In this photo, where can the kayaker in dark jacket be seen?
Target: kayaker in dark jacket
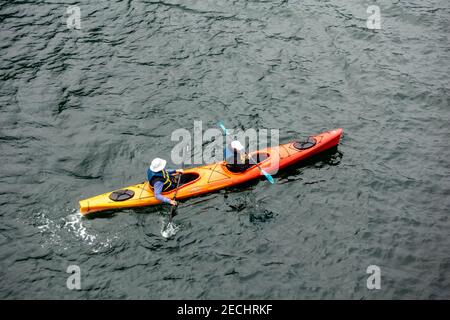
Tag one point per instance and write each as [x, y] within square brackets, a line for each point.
[235, 157]
[161, 179]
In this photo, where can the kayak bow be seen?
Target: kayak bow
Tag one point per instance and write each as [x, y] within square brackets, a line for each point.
[212, 177]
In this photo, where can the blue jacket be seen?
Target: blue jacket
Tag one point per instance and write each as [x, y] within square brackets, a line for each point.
[158, 183]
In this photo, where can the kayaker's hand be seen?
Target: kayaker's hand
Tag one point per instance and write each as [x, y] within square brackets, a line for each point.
[180, 170]
[173, 202]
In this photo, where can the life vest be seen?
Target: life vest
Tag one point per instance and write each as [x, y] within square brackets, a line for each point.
[162, 176]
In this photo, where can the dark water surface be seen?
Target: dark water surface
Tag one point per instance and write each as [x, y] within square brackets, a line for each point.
[84, 111]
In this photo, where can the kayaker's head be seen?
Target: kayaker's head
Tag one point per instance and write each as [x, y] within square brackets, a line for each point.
[158, 164]
[236, 145]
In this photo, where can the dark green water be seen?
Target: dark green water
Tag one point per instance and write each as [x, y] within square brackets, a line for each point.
[83, 112]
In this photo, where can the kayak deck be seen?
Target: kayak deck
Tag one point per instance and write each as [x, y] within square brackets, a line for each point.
[212, 177]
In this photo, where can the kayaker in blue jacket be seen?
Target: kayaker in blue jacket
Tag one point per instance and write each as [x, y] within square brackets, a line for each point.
[161, 179]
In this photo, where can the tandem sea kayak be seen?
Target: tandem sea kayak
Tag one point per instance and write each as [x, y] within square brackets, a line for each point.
[212, 177]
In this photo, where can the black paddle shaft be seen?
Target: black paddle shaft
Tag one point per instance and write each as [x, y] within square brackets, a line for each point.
[176, 191]
[175, 197]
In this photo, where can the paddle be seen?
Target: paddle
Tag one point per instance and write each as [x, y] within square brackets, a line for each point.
[173, 208]
[170, 228]
[268, 176]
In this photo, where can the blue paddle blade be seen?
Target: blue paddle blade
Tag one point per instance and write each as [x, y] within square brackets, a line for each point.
[268, 176]
[222, 126]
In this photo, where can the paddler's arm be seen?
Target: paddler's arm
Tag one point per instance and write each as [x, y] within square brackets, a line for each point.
[157, 188]
[228, 155]
[175, 171]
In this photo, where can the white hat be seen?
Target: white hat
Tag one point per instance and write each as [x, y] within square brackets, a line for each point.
[237, 145]
[158, 164]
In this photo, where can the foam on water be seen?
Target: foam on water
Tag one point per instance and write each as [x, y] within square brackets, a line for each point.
[170, 230]
[75, 224]
[72, 225]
